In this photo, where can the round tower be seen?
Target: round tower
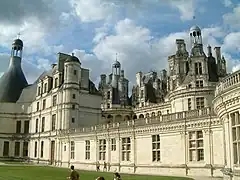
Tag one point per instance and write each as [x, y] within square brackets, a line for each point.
[71, 88]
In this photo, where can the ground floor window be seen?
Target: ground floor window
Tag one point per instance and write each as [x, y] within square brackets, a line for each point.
[126, 149]
[196, 150]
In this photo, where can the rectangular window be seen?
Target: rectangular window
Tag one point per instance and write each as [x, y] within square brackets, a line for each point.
[36, 126]
[35, 149]
[155, 148]
[25, 149]
[73, 120]
[72, 148]
[38, 106]
[126, 149]
[108, 95]
[6, 148]
[42, 147]
[200, 102]
[53, 122]
[189, 104]
[18, 127]
[73, 106]
[235, 119]
[54, 100]
[198, 68]
[56, 83]
[102, 149]
[43, 124]
[75, 72]
[87, 149]
[141, 95]
[17, 149]
[196, 150]
[199, 83]
[39, 91]
[44, 104]
[26, 127]
[45, 87]
[113, 144]
[74, 96]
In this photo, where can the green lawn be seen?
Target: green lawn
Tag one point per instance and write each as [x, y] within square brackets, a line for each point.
[50, 173]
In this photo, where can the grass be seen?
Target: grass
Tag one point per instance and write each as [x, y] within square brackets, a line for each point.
[18, 172]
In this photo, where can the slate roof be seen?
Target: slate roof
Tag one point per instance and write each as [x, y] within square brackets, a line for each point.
[12, 82]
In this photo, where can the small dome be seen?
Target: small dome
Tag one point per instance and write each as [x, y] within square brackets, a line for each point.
[72, 59]
[17, 42]
[116, 64]
[195, 28]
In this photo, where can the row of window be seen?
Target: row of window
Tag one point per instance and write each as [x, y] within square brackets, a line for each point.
[45, 87]
[196, 150]
[6, 149]
[53, 124]
[54, 102]
[19, 127]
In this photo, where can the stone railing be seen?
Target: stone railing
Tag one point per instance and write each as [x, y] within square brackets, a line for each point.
[228, 83]
[205, 112]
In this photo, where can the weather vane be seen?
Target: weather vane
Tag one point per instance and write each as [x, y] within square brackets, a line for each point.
[116, 56]
[18, 35]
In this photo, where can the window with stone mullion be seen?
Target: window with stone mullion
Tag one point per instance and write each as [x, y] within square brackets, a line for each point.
[235, 119]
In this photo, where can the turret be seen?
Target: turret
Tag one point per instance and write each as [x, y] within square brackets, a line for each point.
[13, 81]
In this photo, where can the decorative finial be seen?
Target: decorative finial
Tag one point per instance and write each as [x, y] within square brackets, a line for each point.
[18, 35]
[116, 56]
[72, 54]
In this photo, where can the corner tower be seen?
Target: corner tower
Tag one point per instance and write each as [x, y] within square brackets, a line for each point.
[13, 81]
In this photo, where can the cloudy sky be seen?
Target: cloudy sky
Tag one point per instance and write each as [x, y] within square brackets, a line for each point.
[142, 32]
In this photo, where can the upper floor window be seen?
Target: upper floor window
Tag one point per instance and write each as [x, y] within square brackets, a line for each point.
[189, 104]
[75, 72]
[198, 68]
[56, 83]
[235, 119]
[36, 126]
[74, 96]
[141, 95]
[54, 100]
[108, 95]
[44, 104]
[200, 102]
[43, 124]
[53, 122]
[26, 126]
[199, 83]
[39, 91]
[45, 87]
[18, 127]
[37, 106]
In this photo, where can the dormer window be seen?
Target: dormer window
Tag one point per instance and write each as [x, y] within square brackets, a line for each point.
[45, 87]
[56, 83]
[199, 83]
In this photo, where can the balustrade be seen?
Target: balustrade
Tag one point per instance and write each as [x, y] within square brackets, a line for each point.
[205, 112]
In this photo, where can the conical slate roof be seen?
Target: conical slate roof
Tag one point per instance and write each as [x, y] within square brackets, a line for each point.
[12, 82]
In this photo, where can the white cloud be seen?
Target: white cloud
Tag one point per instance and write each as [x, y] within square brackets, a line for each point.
[227, 3]
[92, 10]
[185, 7]
[233, 18]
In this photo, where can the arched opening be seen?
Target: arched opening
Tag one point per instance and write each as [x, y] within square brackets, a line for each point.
[153, 114]
[118, 118]
[159, 113]
[109, 118]
[141, 116]
[134, 116]
[147, 115]
[127, 118]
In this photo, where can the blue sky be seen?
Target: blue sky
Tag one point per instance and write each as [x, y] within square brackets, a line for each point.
[142, 32]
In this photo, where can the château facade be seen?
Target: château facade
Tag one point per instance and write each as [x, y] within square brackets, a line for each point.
[183, 122]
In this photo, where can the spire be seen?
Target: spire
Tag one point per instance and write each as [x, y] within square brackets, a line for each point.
[18, 35]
